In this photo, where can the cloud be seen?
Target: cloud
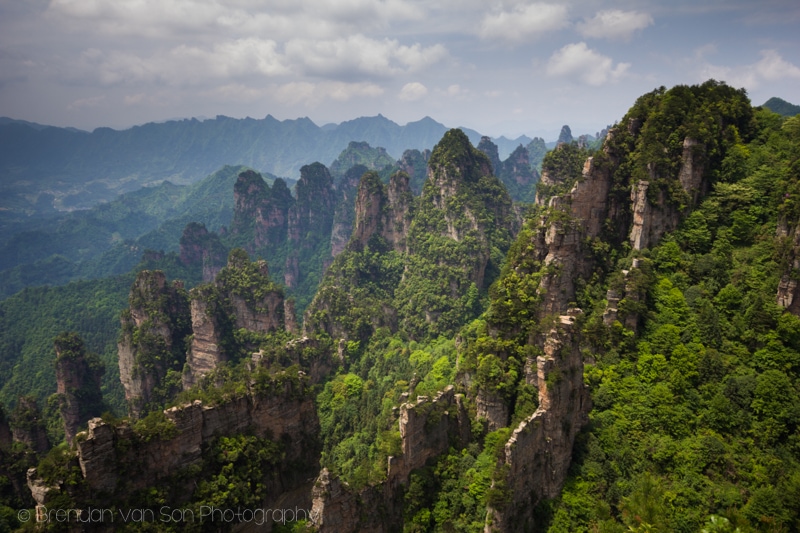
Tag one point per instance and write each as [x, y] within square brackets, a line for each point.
[413, 91]
[204, 20]
[361, 55]
[578, 61]
[523, 23]
[770, 68]
[614, 24]
[83, 103]
[314, 94]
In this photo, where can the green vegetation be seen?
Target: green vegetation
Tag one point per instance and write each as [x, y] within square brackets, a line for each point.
[695, 421]
[781, 107]
[695, 386]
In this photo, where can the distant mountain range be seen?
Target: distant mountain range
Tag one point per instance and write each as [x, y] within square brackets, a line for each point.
[43, 168]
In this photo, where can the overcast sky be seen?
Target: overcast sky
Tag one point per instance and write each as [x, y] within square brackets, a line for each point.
[501, 67]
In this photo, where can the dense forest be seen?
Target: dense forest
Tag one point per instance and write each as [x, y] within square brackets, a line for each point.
[675, 287]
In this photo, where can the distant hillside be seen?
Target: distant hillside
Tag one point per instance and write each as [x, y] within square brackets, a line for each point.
[782, 107]
[44, 168]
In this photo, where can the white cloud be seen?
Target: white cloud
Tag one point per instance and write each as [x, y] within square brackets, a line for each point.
[413, 91]
[133, 99]
[578, 61]
[523, 23]
[83, 103]
[770, 68]
[314, 94]
[361, 55]
[614, 24]
[206, 20]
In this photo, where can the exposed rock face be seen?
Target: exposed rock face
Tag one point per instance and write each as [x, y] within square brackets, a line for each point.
[77, 383]
[261, 213]
[654, 213]
[152, 340]
[27, 425]
[515, 172]
[415, 164]
[243, 296]
[623, 301]
[117, 461]
[788, 295]
[427, 428]
[199, 247]
[313, 210]
[491, 408]
[290, 316]
[344, 214]
[383, 212]
[566, 135]
[539, 452]
[206, 351]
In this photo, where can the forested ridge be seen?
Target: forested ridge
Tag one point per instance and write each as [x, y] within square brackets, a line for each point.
[681, 299]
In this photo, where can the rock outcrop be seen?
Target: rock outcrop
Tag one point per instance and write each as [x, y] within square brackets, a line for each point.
[200, 247]
[537, 456]
[415, 164]
[261, 213]
[151, 346]
[428, 427]
[385, 212]
[118, 461]
[242, 297]
[788, 295]
[654, 212]
[344, 214]
[78, 377]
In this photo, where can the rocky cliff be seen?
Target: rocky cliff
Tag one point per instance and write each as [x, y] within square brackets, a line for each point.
[516, 172]
[200, 247]
[383, 211]
[78, 375]
[242, 297]
[630, 192]
[415, 164]
[428, 428]
[537, 456]
[344, 214]
[120, 461]
[151, 347]
[788, 295]
[261, 213]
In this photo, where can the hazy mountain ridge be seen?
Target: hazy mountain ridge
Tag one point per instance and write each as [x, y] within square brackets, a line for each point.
[45, 166]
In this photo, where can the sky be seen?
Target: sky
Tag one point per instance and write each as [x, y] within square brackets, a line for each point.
[505, 67]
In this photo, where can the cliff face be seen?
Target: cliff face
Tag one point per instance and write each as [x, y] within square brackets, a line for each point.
[788, 295]
[539, 452]
[383, 211]
[428, 427]
[415, 164]
[119, 461]
[77, 383]
[151, 345]
[654, 214]
[344, 215]
[313, 211]
[261, 212]
[199, 247]
[242, 297]
[516, 172]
